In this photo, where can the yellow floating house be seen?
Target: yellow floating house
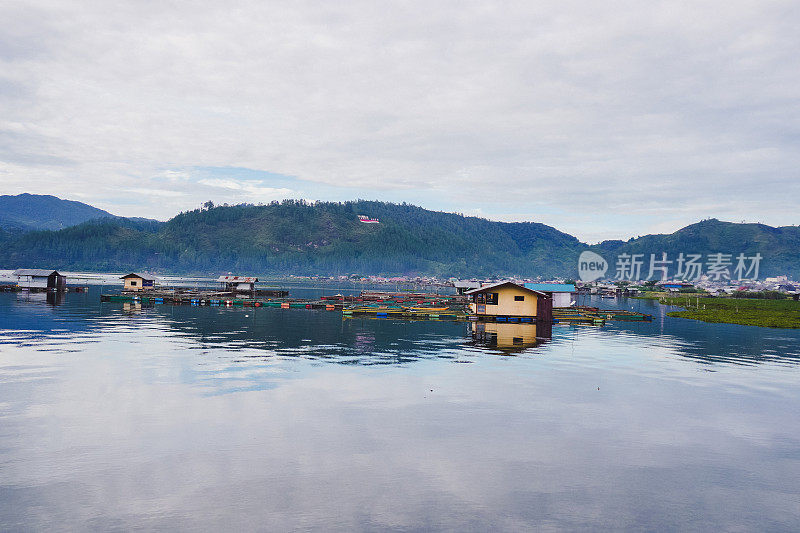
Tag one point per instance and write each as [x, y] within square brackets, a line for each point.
[508, 300]
[138, 282]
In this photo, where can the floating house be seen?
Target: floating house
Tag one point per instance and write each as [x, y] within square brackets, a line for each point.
[563, 294]
[464, 286]
[238, 283]
[138, 282]
[507, 300]
[40, 279]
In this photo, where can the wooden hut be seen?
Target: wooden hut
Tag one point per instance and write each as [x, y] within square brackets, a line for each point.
[508, 300]
[238, 283]
[464, 286]
[138, 282]
[40, 279]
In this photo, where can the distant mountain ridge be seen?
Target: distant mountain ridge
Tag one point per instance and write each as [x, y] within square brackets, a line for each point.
[295, 237]
[27, 212]
[779, 246]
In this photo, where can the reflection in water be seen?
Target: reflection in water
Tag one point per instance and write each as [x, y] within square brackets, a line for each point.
[510, 338]
[132, 307]
[703, 342]
[52, 298]
[55, 298]
[324, 335]
[117, 417]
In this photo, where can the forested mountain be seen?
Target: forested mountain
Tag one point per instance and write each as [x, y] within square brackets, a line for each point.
[779, 247]
[300, 238]
[294, 237]
[25, 212]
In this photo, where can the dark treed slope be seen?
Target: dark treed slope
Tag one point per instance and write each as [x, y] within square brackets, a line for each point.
[26, 212]
[294, 237]
[326, 238]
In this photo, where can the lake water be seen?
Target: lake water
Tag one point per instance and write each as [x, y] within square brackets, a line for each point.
[114, 417]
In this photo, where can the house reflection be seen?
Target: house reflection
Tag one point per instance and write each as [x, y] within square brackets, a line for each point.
[55, 297]
[132, 307]
[508, 337]
[51, 298]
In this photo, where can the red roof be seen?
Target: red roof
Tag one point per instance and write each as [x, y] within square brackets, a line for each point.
[237, 279]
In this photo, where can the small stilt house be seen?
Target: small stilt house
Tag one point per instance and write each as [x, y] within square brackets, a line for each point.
[508, 300]
[40, 279]
[138, 282]
[238, 283]
[464, 286]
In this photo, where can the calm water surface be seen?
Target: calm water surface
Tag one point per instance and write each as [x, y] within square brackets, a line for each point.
[115, 417]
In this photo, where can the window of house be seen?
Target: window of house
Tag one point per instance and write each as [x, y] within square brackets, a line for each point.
[491, 298]
[479, 299]
[519, 298]
[517, 340]
[133, 283]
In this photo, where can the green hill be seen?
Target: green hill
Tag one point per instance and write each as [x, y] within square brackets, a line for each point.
[780, 247]
[26, 212]
[294, 237]
[299, 238]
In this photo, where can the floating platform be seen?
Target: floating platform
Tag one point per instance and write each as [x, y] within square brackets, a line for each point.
[630, 316]
[594, 315]
[504, 318]
[616, 314]
[210, 299]
[271, 293]
[16, 288]
[401, 298]
[406, 312]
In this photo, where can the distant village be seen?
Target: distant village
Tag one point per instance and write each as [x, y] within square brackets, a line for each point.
[54, 280]
[705, 284]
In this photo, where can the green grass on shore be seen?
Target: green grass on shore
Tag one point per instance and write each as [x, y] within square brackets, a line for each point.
[748, 312]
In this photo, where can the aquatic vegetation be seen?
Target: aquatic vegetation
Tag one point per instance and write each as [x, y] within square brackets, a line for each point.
[748, 312]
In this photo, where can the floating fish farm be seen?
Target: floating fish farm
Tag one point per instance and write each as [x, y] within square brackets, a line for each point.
[407, 306]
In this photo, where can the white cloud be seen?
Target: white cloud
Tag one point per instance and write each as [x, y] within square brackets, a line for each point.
[253, 188]
[176, 176]
[586, 107]
[162, 193]
[222, 183]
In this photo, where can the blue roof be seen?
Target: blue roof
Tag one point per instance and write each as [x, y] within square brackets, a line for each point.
[550, 287]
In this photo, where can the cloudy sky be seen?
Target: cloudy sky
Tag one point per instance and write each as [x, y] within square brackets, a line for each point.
[603, 119]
